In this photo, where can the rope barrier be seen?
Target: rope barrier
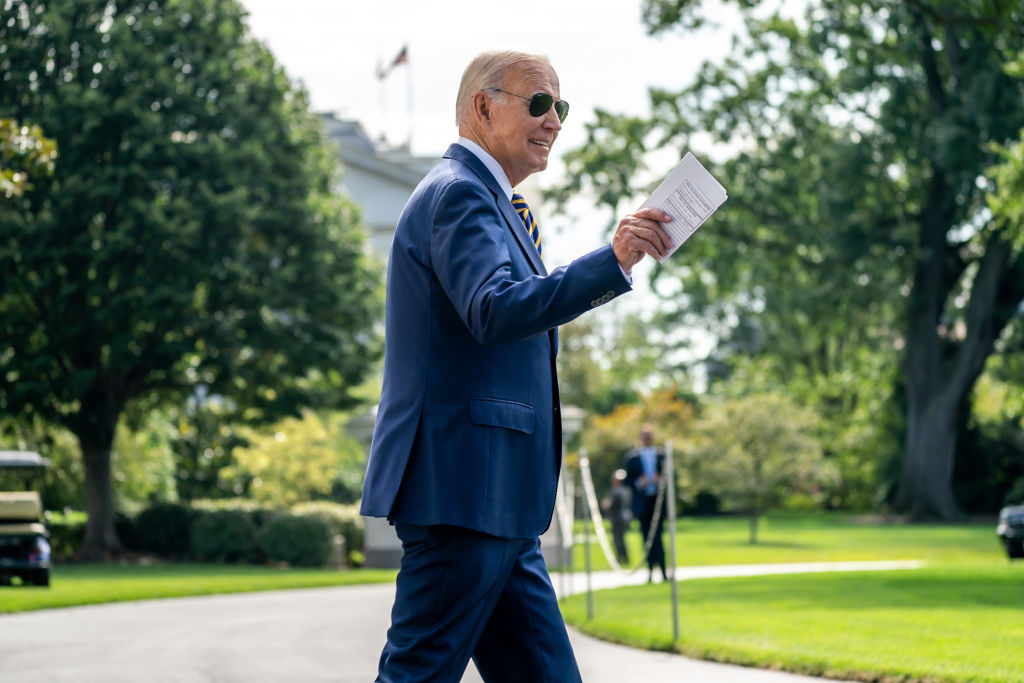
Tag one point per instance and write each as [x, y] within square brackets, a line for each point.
[595, 513]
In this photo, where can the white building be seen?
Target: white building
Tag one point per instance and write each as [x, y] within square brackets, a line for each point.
[378, 177]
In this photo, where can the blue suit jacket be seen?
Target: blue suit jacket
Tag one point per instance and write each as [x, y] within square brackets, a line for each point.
[468, 431]
[635, 470]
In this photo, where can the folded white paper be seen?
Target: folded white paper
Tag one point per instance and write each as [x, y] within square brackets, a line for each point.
[690, 195]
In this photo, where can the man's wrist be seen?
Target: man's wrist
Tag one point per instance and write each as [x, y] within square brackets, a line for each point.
[626, 275]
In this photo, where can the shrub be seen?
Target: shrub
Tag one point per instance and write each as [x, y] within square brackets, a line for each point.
[124, 526]
[342, 520]
[299, 540]
[258, 513]
[67, 531]
[1015, 496]
[163, 529]
[224, 536]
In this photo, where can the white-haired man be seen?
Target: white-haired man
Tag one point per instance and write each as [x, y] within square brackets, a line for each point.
[466, 449]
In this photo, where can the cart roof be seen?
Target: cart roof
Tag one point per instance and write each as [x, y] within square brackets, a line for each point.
[22, 459]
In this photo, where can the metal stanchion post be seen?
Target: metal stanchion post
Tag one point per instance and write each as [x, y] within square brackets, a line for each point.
[671, 474]
[565, 555]
[586, 544]
[570, 496]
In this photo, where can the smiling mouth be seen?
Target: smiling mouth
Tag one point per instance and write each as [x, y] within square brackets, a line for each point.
[543, 143]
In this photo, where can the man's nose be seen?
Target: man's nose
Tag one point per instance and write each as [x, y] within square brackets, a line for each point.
[551, 120]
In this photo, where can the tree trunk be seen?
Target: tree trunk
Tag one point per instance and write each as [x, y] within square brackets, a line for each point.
[754, 517]
[940, 380]
[926, 481]
[101, 543]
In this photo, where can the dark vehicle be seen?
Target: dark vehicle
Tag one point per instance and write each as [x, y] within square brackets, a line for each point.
[24, 544]
[1011, 530]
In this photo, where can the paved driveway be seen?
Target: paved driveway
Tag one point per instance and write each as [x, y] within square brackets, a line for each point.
[310, 635]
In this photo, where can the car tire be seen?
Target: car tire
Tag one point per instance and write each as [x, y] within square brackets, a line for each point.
[41, 577]
[1015, 550]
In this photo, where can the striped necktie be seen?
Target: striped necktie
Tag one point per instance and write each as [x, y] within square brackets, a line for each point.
[523, 209]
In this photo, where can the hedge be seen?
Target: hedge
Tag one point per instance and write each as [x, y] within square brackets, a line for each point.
[224, 536]
[297, 540]
[342, 520]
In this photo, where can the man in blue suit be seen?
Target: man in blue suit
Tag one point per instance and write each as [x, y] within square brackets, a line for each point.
[644, 468]
[467, 444]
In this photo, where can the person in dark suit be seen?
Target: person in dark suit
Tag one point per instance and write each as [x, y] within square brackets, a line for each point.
[466, 448]
[644, 467]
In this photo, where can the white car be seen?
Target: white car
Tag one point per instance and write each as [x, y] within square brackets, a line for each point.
[1011, 530]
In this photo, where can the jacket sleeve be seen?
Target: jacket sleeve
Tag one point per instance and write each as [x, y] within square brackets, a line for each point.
[470, 257]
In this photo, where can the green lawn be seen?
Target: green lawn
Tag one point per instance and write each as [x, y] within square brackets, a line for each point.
[811, 538]
[90, 584]
[959, 619]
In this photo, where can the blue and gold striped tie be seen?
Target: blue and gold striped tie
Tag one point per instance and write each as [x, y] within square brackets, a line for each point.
[523, 209]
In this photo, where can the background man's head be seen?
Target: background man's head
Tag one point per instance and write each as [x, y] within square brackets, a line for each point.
[493, 110]
[647, 435]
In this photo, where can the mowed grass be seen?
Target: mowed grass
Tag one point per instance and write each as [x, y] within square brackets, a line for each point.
[959, 619]
[73, 585]
[784, 538]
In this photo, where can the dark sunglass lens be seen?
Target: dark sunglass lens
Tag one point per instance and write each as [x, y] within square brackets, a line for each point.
[562, 109]
[540, 104]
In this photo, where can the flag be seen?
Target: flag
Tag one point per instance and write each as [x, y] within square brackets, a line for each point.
[401, 58]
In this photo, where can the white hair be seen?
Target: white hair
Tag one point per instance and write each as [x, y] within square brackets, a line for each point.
[489, 70]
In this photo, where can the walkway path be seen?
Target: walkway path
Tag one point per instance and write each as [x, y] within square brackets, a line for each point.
[315, 635]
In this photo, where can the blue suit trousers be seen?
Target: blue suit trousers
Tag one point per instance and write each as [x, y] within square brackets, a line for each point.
[464, 594]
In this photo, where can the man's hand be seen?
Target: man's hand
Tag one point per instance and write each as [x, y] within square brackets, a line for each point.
[639, 233]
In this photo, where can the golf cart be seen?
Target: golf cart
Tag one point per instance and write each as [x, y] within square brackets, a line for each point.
[24, 548]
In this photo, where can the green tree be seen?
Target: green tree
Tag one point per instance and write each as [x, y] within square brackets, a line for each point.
[858, 428]
[188, 237]
[858, 140]
[296, 460]
[142, 463]
[755, 452]
[24, 152]
[204, 441]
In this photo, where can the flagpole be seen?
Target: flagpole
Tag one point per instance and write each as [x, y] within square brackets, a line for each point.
[402, 58]
[409, 102]
[381, 95]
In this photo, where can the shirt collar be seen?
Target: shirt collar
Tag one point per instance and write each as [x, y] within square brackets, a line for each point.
[492, 165]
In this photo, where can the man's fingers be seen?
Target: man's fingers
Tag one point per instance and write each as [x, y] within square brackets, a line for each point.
[649, 237]
[656, 235]
[653, 214]
[641, 233]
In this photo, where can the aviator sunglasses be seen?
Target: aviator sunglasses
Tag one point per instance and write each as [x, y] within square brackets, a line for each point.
[540, 103]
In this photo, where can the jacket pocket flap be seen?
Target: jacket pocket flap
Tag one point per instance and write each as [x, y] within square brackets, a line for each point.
[498, 413]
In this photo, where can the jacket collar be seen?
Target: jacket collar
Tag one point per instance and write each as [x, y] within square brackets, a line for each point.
[459, 153]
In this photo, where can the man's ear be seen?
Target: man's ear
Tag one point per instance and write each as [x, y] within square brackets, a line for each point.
[482, 106]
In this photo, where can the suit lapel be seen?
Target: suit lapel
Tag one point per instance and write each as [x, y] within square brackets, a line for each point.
[512, 219]
[515, 223]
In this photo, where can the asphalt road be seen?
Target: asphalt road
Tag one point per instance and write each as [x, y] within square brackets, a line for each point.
[310, 635]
